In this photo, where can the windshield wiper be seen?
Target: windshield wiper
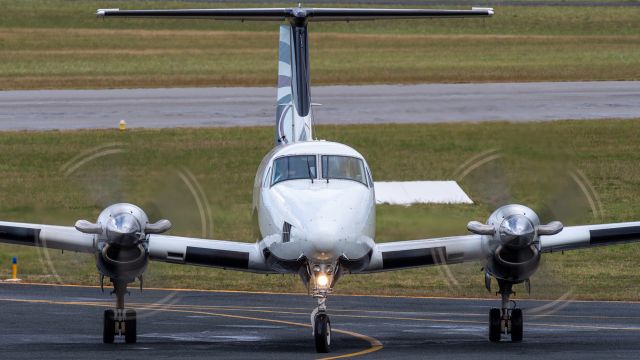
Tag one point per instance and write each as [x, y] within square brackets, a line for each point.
[309, 170]
[327, 171]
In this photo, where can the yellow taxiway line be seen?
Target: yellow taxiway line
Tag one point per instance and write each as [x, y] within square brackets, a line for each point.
[334, 295]
[404, 318]
[399, 313]
[375, 344]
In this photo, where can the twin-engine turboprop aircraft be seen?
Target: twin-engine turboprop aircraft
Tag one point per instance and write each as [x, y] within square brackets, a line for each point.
[314, 205]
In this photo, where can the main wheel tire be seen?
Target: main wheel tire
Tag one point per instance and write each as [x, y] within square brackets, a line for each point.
[130, 327]
[108, 327]
[495, 319]
[517, 325]
[322, 333]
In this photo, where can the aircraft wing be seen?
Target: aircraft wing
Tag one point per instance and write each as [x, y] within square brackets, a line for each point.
[224, 254]
[578, 237]
[174, 249]
[398, 255]
[457, 249]
[49, 236]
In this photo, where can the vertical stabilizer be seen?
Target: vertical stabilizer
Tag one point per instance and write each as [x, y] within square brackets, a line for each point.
[294, 118]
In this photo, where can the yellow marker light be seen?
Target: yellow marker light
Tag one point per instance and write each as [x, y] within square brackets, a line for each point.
[122, 125]
[322, 280]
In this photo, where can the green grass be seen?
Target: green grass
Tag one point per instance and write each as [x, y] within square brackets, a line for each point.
[223, 160]
[54, 44]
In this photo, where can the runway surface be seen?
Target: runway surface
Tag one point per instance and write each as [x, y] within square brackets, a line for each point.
[196, 107]
[45, 322]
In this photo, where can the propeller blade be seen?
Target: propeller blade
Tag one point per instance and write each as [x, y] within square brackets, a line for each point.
[551, 228]
[158, 228]
[87, 227]
[479, 228]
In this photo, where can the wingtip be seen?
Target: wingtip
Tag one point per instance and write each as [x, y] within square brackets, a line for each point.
[103, 12]
[489, 11]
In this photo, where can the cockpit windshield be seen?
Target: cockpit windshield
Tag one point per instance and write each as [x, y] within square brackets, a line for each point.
[343, 167]
[294, 167]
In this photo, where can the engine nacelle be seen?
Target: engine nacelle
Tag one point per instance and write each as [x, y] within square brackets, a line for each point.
[512, 241]
[122, 240]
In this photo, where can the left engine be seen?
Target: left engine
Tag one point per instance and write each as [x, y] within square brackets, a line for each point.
[513, 242]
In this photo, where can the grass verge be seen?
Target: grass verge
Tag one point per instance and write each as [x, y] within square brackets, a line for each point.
[60, 44]
[536, 163]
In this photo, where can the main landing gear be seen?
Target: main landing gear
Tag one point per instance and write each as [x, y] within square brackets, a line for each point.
[321, 326]
[508, 319]
[120, 321]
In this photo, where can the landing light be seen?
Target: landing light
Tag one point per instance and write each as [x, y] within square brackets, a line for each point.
[322, 280]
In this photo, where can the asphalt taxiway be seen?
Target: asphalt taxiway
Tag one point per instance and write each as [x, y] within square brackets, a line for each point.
[45, 322]
[367, 104]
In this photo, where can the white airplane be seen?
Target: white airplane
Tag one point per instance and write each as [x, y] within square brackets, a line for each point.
[314, 206]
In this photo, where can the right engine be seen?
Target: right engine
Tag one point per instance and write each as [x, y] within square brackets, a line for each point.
[122, 240]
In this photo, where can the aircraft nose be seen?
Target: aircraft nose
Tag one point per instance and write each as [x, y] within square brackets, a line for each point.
[333, 227]
[323, 238]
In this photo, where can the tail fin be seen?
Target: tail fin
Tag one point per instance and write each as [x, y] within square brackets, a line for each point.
[294, 118]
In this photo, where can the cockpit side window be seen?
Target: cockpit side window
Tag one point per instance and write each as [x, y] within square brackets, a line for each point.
[343, 167]
[294, 167]
[267, 178]
[369, 177]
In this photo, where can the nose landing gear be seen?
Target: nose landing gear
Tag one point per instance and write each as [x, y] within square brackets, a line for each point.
[508, 319]
[321, 326]
[120, 321]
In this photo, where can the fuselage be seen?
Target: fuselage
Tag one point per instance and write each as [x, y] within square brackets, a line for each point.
[314, 205]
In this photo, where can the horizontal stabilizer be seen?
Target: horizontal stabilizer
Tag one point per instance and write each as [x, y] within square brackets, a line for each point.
[298, 13]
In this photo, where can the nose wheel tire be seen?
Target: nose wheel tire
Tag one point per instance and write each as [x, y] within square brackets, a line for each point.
[516, 325]
[109, 327]
[130, 334]
[495, 328]
[322, 333]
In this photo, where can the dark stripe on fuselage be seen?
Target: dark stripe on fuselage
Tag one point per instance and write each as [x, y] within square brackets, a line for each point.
[218, 258]
[414, 257]
[19, 235]
[614, 235]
